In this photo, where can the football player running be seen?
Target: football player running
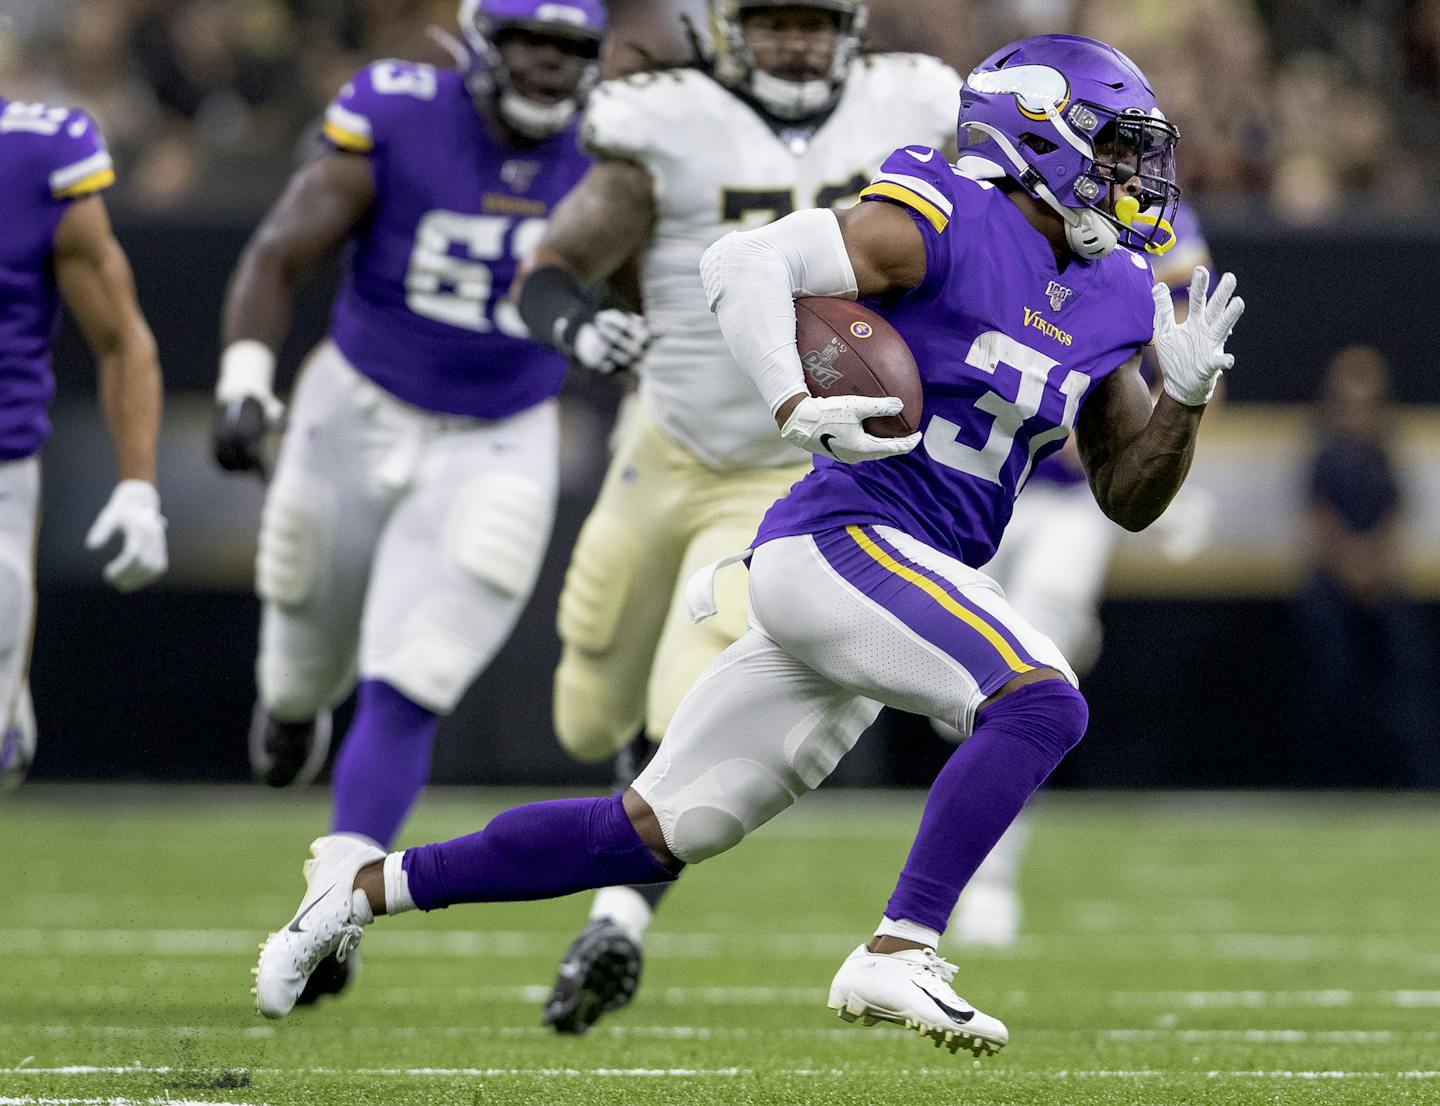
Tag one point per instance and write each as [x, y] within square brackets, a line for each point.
[786, 117]
[1052, 565]
[56, 244]
[861, 588]
[415, 488]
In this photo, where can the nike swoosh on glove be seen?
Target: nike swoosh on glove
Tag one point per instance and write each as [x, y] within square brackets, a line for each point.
[833, 426]
[1192, 354]
[611, 341]
[134, 512]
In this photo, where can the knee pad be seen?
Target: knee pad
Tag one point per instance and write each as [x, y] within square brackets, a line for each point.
[498, 528]
[716, 811]
[292, 541]
[589, 724]
[606, 558]
[290, 692]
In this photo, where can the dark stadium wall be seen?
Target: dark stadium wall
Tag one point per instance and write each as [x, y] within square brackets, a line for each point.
[1191, 691]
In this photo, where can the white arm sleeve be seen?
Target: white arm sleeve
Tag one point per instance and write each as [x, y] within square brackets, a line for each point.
[751, 281]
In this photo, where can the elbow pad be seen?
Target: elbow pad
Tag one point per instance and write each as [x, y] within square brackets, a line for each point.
[751, 281]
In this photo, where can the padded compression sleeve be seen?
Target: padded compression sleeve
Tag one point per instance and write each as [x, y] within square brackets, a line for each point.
[751, 281]
[554, 307]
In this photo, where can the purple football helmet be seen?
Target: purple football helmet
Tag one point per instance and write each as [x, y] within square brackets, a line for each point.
[582, 21]
[1068, 118]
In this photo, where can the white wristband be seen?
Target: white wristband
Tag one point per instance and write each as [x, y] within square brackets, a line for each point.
[247, 368]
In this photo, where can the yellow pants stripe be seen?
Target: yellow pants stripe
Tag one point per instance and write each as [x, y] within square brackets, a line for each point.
[942, 597]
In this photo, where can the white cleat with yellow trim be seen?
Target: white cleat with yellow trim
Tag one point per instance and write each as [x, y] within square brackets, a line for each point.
[912, 989]
[329, 920]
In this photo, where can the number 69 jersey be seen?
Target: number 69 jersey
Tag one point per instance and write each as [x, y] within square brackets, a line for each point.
[1008, 348]
[719, 165]
[422, 309]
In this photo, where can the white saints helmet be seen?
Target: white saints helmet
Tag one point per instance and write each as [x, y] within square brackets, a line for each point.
[735, 64]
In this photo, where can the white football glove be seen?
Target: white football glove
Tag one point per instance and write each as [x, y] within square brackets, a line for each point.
[1192, 354]
[832, 427]
[610, 341]
[134, 511]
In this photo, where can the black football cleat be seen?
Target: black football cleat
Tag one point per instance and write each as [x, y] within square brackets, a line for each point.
[600, 973]
[331, 976]
[288, 754]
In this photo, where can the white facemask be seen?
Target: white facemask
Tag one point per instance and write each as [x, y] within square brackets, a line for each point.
[533, 119]
[790, 99]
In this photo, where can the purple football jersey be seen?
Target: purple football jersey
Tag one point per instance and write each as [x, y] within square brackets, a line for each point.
[1008, 347]
[49, 157]
[422, 309]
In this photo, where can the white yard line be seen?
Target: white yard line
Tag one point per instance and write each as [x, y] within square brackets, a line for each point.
[972, 1071]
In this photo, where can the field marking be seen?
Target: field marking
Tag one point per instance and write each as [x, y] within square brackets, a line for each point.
[730, 1033]
[46, 1100]
[971, 1071]
[1415, 952]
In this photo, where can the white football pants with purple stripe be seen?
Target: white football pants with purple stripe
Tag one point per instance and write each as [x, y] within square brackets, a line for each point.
[841, 622]
[396, 543]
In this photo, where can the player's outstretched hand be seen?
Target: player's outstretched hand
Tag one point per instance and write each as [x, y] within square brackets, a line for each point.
[239, 430]
[133, 512]
[833, 427]
[1192, 354]
[611, 340]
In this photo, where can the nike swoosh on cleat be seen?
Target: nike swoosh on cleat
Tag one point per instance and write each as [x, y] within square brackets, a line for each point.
[295, 925]
[825, 440]
[961, 1016]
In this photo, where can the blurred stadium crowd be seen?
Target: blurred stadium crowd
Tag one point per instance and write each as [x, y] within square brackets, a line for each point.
[208, 102]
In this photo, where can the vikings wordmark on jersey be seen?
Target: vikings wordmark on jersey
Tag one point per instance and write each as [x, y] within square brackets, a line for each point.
[718, 166]
[423, 310]
[1004, 372]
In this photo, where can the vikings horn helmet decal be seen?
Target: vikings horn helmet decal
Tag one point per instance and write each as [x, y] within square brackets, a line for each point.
[1068, 118]
[482, 20]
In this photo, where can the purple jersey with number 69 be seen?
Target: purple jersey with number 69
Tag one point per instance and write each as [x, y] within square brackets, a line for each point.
[422, 311]
[49, 157]
[1008, 347]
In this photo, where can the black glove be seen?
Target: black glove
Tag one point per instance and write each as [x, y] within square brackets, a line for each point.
[237, 435]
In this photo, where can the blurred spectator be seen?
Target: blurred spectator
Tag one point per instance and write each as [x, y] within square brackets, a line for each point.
[206, 102]
[1367, 673]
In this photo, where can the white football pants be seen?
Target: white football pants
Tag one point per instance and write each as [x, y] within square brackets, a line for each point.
[395, 542]
[19, 523]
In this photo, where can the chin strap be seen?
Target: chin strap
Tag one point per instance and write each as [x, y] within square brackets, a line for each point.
[532, 119]
[791, 99]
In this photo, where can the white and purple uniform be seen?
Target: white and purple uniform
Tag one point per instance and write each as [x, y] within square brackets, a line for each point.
[415, 491]
[863, 590]
[49, 157]
[1008, 347]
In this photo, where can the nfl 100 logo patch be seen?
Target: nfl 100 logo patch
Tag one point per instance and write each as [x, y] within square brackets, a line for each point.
[1058, 294]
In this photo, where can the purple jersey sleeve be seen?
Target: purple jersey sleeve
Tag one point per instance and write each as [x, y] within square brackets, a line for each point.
[919, 179]
[70, 152]
[363, 117]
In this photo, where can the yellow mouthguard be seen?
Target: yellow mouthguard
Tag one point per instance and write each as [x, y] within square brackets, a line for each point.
[1127, 210]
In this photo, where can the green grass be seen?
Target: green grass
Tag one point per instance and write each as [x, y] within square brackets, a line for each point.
[1201, 949]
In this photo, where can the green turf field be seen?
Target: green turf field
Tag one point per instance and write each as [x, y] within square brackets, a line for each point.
[1200, 949]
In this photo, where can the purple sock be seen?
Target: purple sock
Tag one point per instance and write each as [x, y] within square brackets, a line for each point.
[536, 851]
[979, 792]
[383, 764]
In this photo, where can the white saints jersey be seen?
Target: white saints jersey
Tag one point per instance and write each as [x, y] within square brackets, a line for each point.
[718, 166]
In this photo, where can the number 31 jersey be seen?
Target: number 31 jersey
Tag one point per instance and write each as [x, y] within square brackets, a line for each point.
[1008, 347]
[422, 309]
[718, 166]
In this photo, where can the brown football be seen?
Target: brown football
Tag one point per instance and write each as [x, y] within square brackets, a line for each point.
[848, 350]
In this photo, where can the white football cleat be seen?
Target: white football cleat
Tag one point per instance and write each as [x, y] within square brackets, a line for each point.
[987, 916]
[912, 989]
[325, 923]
